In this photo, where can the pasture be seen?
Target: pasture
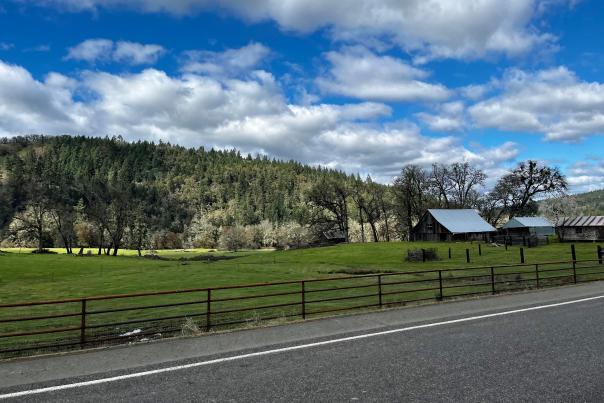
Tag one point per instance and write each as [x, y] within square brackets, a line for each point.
[369, 282]
[30, 277]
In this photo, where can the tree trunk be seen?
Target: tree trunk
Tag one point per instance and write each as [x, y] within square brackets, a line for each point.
[373, 231]
[362, 225]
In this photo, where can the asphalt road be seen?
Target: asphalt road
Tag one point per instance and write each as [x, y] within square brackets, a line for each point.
[435, 353]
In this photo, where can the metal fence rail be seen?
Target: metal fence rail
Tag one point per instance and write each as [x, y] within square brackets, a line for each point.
[31, 327]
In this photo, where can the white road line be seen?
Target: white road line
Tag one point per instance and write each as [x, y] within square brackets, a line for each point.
[284, 349]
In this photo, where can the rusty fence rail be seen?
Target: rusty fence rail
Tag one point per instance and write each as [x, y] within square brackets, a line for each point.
[33, 327]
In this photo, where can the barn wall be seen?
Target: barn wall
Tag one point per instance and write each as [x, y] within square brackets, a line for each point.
[584, 233]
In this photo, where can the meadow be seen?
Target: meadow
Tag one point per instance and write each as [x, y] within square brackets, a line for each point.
[28, 277]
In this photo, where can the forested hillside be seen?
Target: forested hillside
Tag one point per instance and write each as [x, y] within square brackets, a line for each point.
[591, 203]
[109, 194]
[110, 182]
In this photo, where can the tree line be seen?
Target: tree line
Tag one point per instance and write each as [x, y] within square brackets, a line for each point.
[109, 194]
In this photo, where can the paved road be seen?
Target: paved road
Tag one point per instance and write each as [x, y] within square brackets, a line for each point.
[446, 353]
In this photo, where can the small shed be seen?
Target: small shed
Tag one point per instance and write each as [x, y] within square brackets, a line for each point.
[582, 228]
[524, 226]
[452, 225]
[333, 237]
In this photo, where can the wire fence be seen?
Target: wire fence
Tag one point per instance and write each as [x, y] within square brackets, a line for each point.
[33, 327]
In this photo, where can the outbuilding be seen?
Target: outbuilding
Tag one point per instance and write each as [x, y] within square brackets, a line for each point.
[582, 228]
[452, 225]
[526, 226]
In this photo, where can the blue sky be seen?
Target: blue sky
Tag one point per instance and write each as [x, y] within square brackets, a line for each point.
[361, 86]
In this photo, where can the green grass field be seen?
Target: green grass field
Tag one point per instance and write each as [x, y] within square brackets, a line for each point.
[30, 277]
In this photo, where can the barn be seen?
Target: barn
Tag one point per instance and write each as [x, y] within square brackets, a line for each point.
[452, 225]
[582, 228]
[525, 226]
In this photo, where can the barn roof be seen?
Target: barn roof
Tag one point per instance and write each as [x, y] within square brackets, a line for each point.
[581, 221]
[461, 221]
[533, 222]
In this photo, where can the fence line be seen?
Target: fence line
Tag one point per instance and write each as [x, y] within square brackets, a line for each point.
[97, 320]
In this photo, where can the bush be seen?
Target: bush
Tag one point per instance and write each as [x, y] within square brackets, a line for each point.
[233, 238]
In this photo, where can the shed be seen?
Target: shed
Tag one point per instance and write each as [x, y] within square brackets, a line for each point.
[452, 225]
[529, 226]
[581, 228]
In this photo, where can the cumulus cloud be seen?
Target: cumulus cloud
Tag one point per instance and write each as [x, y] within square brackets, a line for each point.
[449, 116]
[554, 102]
[588, 175]
[105, 50]
[429, 28]
[251, 114]
[229, 62]
[358, 73]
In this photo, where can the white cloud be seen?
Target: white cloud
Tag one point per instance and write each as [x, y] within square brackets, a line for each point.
[554, 102]
[356, 72]
[449, 116]
[6, 46]
[429, 28]
[585, 176]
[137, 53]
[91, 50]
[250, 114]
[105, 50]
[229, 62]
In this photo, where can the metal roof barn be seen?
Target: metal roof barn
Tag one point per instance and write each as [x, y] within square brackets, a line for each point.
[518, 222]
[461, 221]
[451, 225]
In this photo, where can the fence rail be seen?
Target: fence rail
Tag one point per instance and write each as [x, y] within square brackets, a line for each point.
[31, 327]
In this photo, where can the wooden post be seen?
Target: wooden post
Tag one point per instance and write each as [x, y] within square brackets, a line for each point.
[537, 274]
[449, 253]
[423, 255]
[573, 252]
[521, 255]
[83, 324]
[479, 250]
[440, 285]
[303, 300]
[493, 280]
[208, 309]
[380, 289]
[600, 254]
[467, 255]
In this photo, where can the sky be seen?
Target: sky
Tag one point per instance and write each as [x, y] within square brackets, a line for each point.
[362, 86]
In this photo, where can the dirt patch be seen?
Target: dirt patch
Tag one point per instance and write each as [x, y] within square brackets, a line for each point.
[359, 272]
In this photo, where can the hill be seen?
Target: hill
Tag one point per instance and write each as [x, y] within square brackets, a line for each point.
[106, 180]
[591, 203]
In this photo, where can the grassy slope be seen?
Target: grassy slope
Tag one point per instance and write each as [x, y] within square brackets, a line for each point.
[26, 277]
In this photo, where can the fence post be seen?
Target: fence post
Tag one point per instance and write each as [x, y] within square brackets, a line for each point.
[440, 285]
[575, 271]
[479, 250]
[521, 255]
[83, 324]
[467, 255]
[573, 252]
[493, 280]
[600, 255]
[380, 289]
[423, 255]
[449, 253]
[303, 284]
[537, 274]
[208, 309]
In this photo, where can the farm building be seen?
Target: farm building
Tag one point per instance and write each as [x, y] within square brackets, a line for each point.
[582, 228]
[452, 225]
[524, 226]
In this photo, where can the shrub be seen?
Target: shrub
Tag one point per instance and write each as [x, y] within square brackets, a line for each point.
[233, 238]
